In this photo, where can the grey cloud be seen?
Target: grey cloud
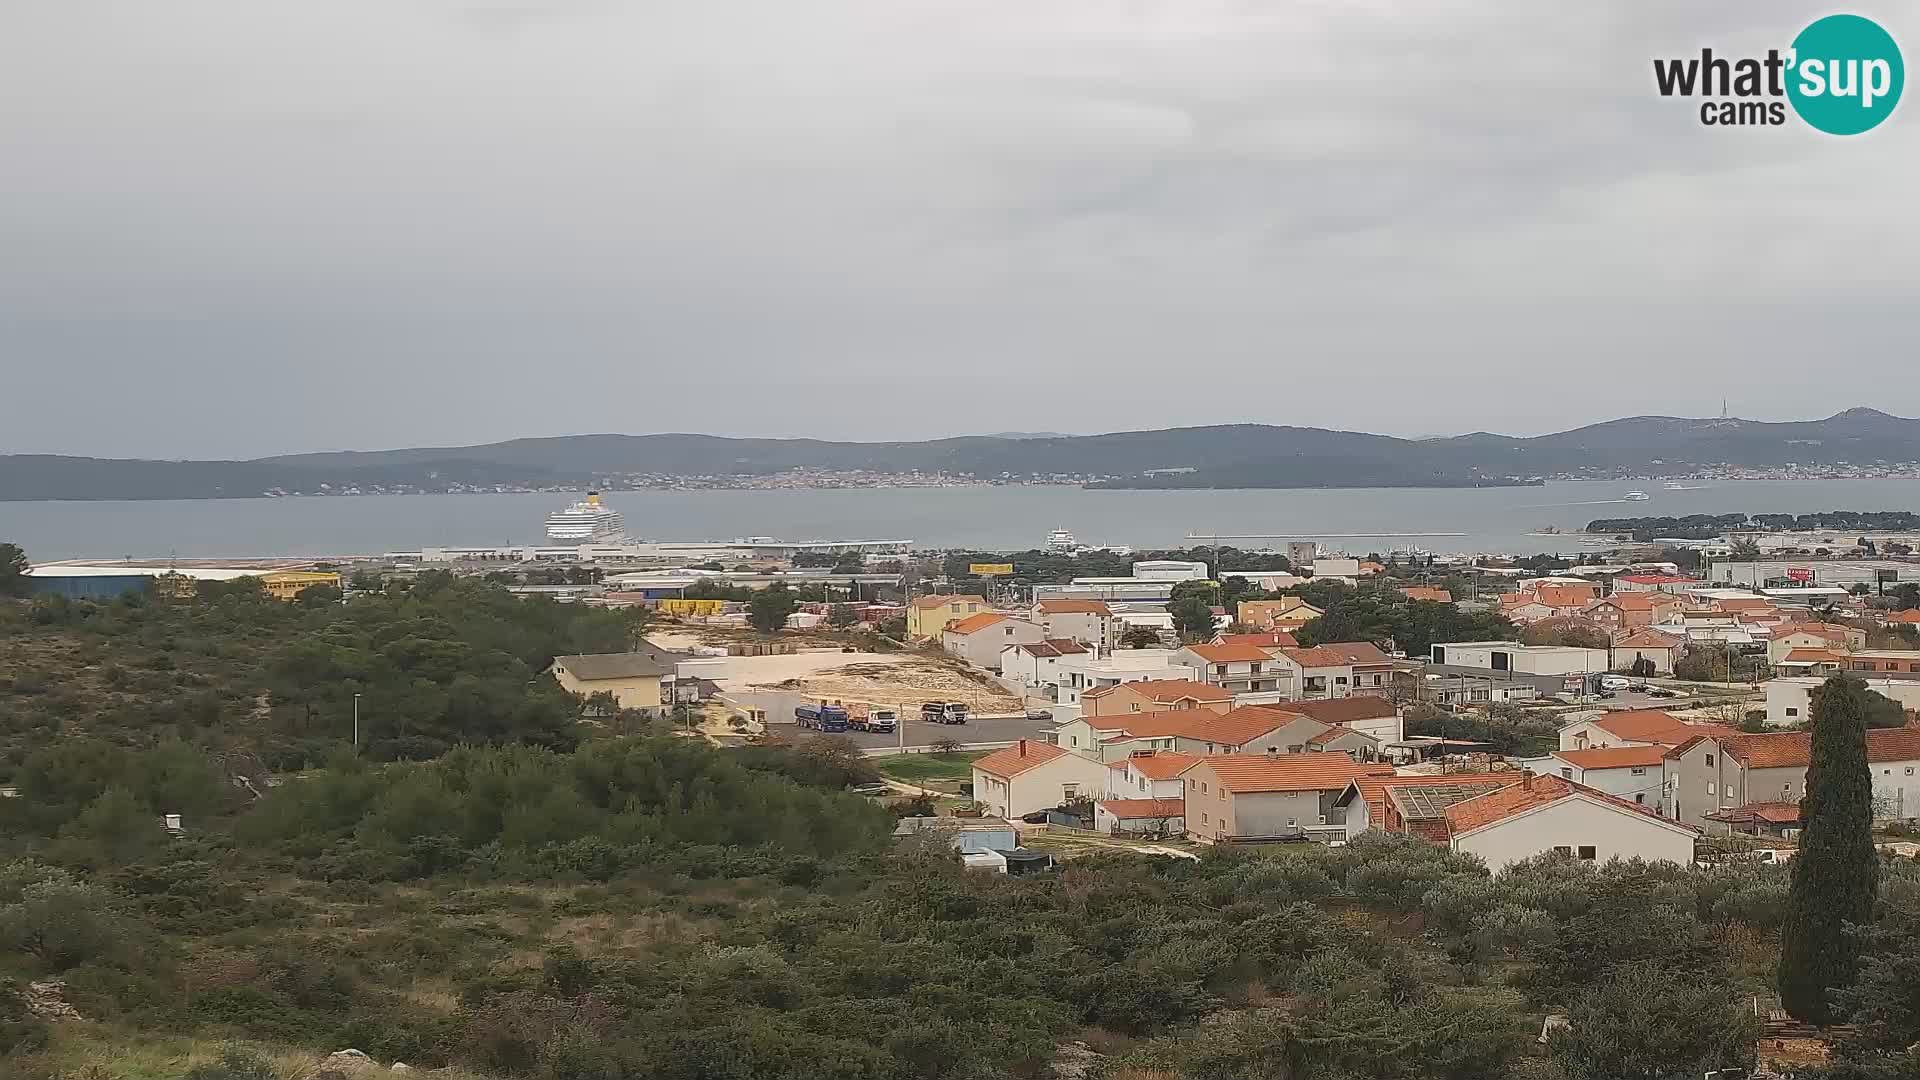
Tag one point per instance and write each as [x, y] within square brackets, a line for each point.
[363, 224]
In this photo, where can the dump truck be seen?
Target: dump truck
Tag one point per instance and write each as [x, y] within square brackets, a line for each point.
[821, 717]
[875, 718]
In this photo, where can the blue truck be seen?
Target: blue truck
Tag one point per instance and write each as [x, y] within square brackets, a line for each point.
[821, 717]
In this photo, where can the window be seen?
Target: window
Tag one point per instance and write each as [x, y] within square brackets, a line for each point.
[1588, 852]
[1275, 750]
[1637, 771]
[1191, 784]
[1709, 787]
[1709, 765]
[1909, 770]
[1073, 740]
[1340, 680]
[1203, 817]
[1068, 791]
[1568, 773]
[1203, 789]
[1640, 797]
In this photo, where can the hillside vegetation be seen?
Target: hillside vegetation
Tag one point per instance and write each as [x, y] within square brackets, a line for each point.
[492, 886]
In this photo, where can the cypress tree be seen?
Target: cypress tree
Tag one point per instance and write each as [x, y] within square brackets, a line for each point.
[1837, 870]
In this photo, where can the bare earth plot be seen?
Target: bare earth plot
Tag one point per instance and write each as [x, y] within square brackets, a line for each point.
[899, 680]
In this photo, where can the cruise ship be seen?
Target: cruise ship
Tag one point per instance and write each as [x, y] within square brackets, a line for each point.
[1061, 540]
[586, 522]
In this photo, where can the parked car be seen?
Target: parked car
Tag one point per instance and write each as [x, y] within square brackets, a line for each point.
[1039, 714]
[1615, 682]
[871, 789]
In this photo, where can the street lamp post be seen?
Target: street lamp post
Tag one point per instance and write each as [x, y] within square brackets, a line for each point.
[356, 723]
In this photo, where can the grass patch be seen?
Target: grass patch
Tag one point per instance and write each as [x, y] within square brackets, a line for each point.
[924, 768]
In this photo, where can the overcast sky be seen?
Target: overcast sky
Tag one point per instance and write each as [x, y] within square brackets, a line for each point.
[243, 228]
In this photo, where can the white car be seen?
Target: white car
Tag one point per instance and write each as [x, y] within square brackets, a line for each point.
[1615, 682]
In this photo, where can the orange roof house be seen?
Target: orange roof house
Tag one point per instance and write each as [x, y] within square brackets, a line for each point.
[1010, 761]
[1153, 695]
[973, 623]
[1427, 592]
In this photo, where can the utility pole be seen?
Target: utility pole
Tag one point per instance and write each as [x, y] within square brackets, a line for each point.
[356, 723]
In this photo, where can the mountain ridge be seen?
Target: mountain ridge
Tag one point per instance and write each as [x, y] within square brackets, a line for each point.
[1222, 455]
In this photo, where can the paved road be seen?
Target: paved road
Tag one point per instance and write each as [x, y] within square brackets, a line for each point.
[921, 733]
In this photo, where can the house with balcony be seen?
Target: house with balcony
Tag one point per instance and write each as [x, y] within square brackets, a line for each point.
[1338, 669]
[1239, 669]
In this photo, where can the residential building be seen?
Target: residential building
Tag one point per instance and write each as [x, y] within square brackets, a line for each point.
[1239, 669]
[1428, 593]
[1113, 590]
[1713, 773]
[1249, 797]
[1287, 613]
[1623, 612]
[928, 616]
[1633, 727]
[1411, 804]
[1907, 617]
[1338, 669]
[1090, 622]
[1264, 639]
[1017, 780]
[1090, 672]
[1660, 650]
[1528, 659]
[1811, 662]
[1037, 664]
[1837, 637]
[1149, 774]
[1540, 814]
[1142, 817]
[1867, 662]
[1634, 773]
[633, 678]
[1377, 717]
[1775, 819]
[968, 836]
[1790, 697]
[979, 639]
[1247, 730]
[1154, 695]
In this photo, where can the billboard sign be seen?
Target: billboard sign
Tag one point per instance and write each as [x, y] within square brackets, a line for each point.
[990, 569]
[1801, 574]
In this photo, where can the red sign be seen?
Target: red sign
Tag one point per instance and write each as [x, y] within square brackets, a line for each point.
[1799, 573]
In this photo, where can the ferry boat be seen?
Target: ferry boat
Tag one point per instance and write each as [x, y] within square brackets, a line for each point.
[1636, 496]
[587, 522]
[1061, 540]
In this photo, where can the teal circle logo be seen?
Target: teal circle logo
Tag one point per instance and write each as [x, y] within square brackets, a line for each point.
[1845, 74]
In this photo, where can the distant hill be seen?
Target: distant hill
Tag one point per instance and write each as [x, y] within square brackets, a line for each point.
[1223, 456]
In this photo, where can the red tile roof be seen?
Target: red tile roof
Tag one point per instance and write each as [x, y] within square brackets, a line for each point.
[1013, 760]
[1658, 579]
[1427, 592]
[1074, 607]
[1157, 764]
[1743, 603]
[1229, 654]
[1054, 647]
[1794, 749]
[1236, 728]
[1648, 639]
[973, 623]
[942, 601]
[1630, 601]
[1810, 656]
[1654, 726]
[1135, 809]
[1246, 774]
[1614, 757]
[1910, 615]
[1338, 654]
[1272, 639]
[1565, 595]
[1339, 711]
[1164, 690]
[1776, 813]
[1517, 798]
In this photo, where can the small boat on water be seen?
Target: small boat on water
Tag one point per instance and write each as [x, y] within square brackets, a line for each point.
[1636, 496]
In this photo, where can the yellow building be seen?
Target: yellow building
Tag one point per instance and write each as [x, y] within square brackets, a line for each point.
[632, 678]
[929, 616]
[289, 584]
[675, 606]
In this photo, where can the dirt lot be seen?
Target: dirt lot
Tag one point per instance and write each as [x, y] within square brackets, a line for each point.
[902, 680]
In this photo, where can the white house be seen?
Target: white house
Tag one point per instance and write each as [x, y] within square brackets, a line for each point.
[1148, 774]
[1524, 659]
[979, 639]
[1090, 622]
[1634, 773]
[1337, 569]
[1656, 648]
[1241, 669]
[1538, 814]
[1037, 664]
[1086, 672]
[1146, 817]
[1337, 669]
[1029, 776]
[1633, 727]
[1790, 699]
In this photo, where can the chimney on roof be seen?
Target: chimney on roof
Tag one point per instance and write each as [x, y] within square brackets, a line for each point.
[1023, 748]
[1526, 779]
